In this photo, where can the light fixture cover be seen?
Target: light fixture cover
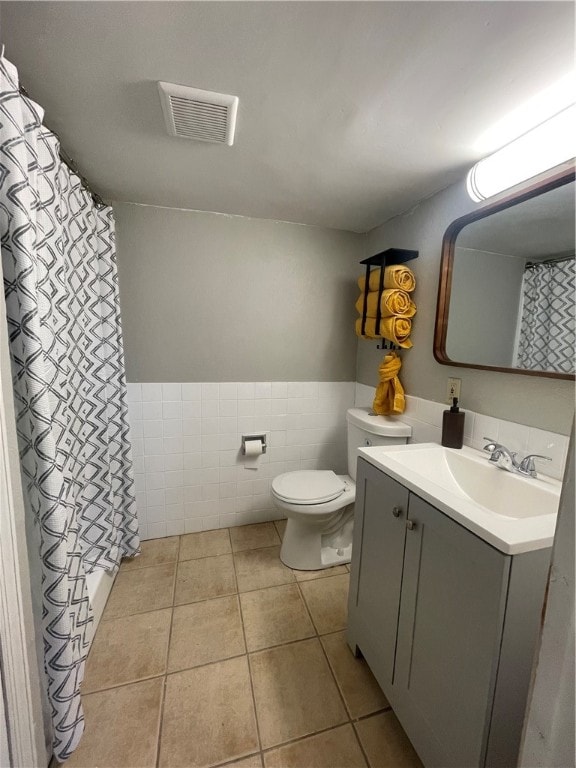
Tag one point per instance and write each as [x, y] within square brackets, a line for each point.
[544, 147]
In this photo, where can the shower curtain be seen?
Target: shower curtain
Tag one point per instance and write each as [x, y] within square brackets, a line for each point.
[547, 329]
[58, 261]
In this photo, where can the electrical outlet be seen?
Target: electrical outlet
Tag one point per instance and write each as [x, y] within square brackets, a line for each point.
[453, 389]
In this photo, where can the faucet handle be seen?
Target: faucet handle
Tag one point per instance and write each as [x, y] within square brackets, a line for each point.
[527, 463]
[492, 444]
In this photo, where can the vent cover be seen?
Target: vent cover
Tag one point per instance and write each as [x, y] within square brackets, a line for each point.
[194, 114]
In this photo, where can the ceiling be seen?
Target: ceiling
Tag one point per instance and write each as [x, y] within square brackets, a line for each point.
[349, 113]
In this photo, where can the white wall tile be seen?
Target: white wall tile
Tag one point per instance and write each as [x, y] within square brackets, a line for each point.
[173, 428]
[156, 530]
[151, 392]
[192, 409]
[153, 428]
[133, 393]
[153, 446]
[175, 527]
[191, 392]
[135, 411]
[245, 390]
[209, 408]
[173, 461]
[279, 390]
[228, 408]
[172, 410]
[152, 410]
[228, 390]
[204, 479]
[171, 392]
[210, 391]
[262, 390]
[154, 463]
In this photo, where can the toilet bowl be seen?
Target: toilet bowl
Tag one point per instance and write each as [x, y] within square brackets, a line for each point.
[319, 504]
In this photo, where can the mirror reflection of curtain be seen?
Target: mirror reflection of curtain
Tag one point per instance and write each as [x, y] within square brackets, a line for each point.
[547, 334]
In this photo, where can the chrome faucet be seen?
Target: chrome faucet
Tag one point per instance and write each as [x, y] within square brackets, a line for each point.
[506, 459]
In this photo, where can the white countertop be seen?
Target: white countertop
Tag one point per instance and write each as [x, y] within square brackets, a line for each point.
[515, 514]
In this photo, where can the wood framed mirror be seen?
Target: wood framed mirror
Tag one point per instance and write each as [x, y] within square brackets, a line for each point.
[506, 294]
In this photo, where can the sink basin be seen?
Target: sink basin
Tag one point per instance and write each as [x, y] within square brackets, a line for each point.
[513, 513]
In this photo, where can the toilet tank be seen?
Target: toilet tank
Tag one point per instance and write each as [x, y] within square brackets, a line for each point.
[366, 428]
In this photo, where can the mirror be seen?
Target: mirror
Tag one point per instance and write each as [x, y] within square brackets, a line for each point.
[506, 298]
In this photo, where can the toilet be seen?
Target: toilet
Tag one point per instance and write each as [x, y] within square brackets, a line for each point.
[319, 504]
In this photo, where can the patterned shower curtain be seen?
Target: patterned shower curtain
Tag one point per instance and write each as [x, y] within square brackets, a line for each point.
[547, 330]
[59, 268]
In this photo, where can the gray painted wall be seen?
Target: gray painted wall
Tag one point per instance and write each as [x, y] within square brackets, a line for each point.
[210, 297]
[534, 401]
[484, 307]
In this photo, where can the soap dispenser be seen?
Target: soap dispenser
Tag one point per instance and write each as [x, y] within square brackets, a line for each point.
[453, 426]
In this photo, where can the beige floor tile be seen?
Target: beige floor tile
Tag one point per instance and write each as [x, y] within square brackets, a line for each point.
[204, 578]
[253, 536]
[385, 743]
[128, 649]
[295, 692]
[208, 716]
[254, 761]
[204, 632]
[205, 544]
[121, 729]
[361, 692]
[259, 568]
[154, 552]
[273, 616]
[280, 527]
[327, 600]
[338, 747]
[337, 570]
[144, 589]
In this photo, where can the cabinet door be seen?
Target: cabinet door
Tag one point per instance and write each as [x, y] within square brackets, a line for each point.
[378, 551]
[449, 634]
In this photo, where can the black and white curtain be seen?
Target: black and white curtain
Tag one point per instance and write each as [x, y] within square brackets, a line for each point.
[59, 269]
[547, 328]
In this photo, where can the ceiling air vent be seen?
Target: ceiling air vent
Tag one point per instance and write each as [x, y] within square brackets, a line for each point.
[194, 114]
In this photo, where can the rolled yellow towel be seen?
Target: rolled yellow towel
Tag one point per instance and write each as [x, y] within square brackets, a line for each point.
[396, 329]
[389, 399]
[393, 302]
[395, 276]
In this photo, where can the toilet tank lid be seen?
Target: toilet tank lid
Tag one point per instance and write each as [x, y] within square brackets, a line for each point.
[388, 426]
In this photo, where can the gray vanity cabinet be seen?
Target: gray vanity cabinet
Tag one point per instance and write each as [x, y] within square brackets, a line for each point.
[447, 623]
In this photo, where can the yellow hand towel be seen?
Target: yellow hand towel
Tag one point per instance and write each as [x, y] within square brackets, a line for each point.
[393, 302]
[396, 329]
[389, 399]
[395, 276]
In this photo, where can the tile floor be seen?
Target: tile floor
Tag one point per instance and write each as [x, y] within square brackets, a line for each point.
[212, 652]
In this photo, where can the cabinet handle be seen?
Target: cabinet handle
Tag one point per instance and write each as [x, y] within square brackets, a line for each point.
[410, 524]
[396, 511]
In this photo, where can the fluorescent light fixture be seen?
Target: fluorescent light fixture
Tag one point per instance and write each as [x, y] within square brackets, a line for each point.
[533, 112]
[549, 144]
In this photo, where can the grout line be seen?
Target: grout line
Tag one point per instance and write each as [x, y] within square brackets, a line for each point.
[358, 741]
[158, 743]
[247, 659]
[298, 739]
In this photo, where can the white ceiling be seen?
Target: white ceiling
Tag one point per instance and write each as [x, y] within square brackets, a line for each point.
[350, 112]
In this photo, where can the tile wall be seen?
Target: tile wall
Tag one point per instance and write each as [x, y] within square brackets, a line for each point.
[425, 417]
[186, 439]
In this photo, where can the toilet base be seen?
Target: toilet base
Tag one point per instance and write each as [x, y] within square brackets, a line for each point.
[309, 546]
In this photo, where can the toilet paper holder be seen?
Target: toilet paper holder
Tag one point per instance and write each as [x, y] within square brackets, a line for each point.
[260, 436]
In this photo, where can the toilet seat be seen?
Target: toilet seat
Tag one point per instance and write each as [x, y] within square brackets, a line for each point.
[309, 486]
